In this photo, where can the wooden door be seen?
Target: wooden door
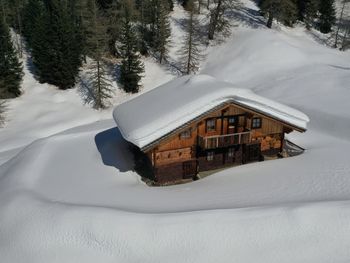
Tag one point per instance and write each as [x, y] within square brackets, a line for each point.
[189, 169]
[252, 152]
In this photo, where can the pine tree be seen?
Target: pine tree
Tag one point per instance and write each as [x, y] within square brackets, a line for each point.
[32, 17]
[162, 30]
[96, 37]
[10, 68]
[14, 20]
[190, 53]
[307, 11]
[310, 13]
[327, 15]
[131, 67]
[112, 15]
[3, 10]
[284, 11]
[145, 36]
[55, 43]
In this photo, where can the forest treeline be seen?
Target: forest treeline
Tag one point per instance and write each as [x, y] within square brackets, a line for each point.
[61, 35]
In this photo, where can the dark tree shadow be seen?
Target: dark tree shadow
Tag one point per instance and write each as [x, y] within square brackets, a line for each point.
[247, 16]
[114, 150]
[84, 87]
[327, 41]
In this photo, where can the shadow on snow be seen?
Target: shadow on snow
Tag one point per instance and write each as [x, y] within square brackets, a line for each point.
[114, 150]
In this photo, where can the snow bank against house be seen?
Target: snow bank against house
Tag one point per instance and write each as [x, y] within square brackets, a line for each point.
[161, 110]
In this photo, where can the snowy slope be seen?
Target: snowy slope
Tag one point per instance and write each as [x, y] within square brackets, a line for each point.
[69, 194]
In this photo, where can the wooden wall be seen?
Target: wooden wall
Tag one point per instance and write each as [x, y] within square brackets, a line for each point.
[176, 149]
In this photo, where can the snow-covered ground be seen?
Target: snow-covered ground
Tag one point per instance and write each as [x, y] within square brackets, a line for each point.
[68, 192]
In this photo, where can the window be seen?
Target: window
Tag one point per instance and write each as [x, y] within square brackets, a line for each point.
[185, 134]
[231, 121]
[231, 152]
[210, 156]
[256, 123]
[211, 125]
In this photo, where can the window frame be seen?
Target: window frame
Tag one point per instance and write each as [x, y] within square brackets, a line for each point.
[186, 134]
[233, 124]
[210, 156]
[213, 128]
[230, 152]
[259, 119]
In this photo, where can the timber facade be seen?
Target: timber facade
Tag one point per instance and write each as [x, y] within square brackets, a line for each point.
[228, 135]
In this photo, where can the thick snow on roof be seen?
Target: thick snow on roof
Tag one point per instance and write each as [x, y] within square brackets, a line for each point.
[156, 113]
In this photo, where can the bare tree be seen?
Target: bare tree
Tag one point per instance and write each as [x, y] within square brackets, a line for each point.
[342, 25]
[100, 88]
[218, 21]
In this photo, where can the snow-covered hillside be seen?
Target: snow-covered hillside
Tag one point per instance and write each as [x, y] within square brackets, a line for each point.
[68, 192]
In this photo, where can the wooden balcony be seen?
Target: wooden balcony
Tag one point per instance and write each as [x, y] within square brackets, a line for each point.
[220, 141]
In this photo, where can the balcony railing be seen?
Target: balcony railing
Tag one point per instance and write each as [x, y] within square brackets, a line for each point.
[219, 141]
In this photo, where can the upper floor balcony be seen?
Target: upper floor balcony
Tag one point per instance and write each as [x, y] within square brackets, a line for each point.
[220, 141]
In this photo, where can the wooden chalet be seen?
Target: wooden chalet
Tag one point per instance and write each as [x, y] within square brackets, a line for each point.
[196, 124]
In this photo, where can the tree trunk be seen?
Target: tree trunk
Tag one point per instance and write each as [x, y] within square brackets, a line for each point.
[339, 22]
[269, 21]
[214, 20]
[344, 39]
[98, 99]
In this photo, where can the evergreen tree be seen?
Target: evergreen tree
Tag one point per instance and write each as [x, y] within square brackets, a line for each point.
[3, 11]
[96, 37]
[14, 19]
[307, 11]
[284, 11]
[146, 26]
[55, 43]
[190, 53]
[32, 17]
[131, 67]
[113, 27]
[310, 12]
[10, 68]
[327, 15]
[162, 30]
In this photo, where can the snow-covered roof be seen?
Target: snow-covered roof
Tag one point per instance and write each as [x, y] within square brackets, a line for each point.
[156, 113]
